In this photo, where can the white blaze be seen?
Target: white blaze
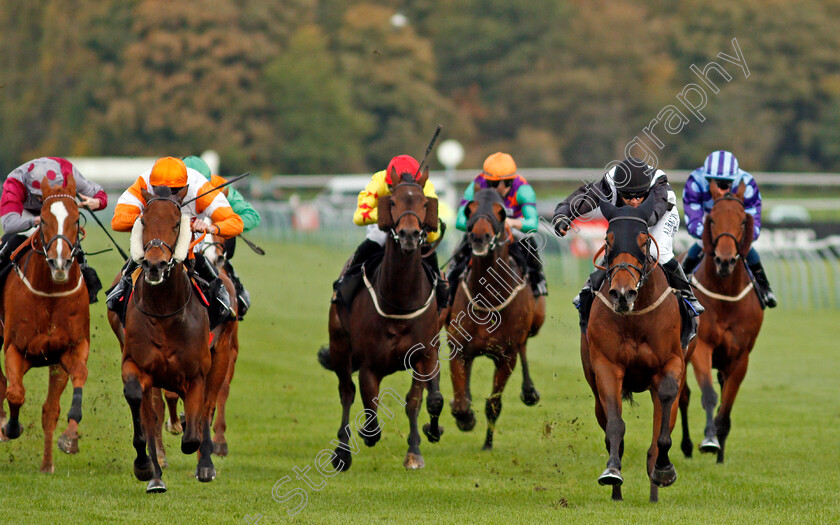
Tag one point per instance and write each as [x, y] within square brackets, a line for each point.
[60, 213]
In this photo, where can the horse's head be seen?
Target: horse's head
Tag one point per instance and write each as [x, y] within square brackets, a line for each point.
[728, 231]
[485, 221]
[59, 226]
[407, 214]
[627, 252]
[161, 235]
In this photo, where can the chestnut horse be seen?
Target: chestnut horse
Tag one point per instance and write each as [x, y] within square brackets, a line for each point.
[165, 341]
[632, 344]
[730, 325]
[392, 325]
[46, 319]
[494, 314]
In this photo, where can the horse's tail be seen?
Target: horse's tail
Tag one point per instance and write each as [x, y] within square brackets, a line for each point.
[324, 357]
[627, 395]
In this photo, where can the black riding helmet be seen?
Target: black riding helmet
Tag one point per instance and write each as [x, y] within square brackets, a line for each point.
[632, 178]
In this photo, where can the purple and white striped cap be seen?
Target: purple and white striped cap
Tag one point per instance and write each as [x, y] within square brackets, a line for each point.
[721, 165]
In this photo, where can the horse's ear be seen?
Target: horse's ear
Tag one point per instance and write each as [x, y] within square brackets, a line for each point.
[384, 219]
[147, 196]
[70, 183]
[424, 176]
[431, 221]
[608, 210]
[46, 189]
[182, 193]
[747, 239]
[740, 193]
[706, 237]
[715, 190]
[646, 207]
[470, 209]
[394, 178]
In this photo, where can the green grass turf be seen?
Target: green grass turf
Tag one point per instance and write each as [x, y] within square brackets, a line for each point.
[781, 465]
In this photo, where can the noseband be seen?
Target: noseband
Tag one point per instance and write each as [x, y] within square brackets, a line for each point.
[74, 246]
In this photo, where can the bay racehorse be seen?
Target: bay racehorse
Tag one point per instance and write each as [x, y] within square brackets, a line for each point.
[165, 341]
[730, 325]
[632, 344]
[392, 325]
[493, 314]
[46, 320]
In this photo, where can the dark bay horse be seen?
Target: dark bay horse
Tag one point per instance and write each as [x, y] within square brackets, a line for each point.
[730, 325]
[392, 325]
[165, 342]
[46, 320]
[493, 314]
[632, 344]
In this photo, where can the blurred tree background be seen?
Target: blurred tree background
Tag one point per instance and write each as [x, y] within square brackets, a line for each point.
[333, 86]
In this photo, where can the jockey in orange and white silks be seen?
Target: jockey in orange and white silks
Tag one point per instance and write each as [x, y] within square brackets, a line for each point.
[173, 174]
[20, 207]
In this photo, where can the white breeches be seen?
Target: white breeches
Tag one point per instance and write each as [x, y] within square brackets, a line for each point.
[664, 232]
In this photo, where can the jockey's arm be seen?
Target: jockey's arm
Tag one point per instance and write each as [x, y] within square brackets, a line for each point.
[659, 194]
[217, 207]
[90, 189]
[461, 220]
[583, 200]
[11, 207]
[527, 198]
[250, 217]
[752, 205]
[693, 206]
[429, 191]
[366, 212]
[129, 206]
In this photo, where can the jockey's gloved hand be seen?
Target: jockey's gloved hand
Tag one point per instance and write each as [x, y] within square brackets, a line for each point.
[562, 224]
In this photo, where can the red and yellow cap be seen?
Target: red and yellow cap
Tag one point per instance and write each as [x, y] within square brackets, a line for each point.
[499, 166]
[170, 172]
[402, 164]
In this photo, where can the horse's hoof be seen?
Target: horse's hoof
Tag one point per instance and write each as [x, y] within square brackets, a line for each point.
[687, 448]
[611, 476]
[710, 446]
[220, 449]
[68, 445]
[371, 440]
[162, 462]
[433, 438]
[465, 422]
[342, 460]
[530, 396]
[47, 469]
[155, 486]
[664, 477]
[12, 430]
[175, 429]
[205, 474]
[144, 472]
[413, 461]
[188, 447]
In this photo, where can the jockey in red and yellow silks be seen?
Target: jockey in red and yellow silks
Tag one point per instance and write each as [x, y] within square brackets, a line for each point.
[367, 215]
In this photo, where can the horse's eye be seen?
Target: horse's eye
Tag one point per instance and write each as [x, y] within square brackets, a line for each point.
[393, 204]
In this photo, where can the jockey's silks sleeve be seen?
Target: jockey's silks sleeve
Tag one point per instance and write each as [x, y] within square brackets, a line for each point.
[250, 217]
[129, 206]
[216, 206]
[366, 212]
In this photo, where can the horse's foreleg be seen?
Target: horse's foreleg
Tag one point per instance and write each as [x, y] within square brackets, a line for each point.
[206, 471]
[664, 394]
[608, 381]
[685, 396]
[133, 392]
[347, 392]
[193, 409]
[2, 403]
[434, 399]
[220, 447]
[529, 395]
[369, 382]
[151, 426]
[701, 361]
[16, 367]
[413, 458]
[734, 376]
[493, 405]
[459, 372]
[160, 413]
[49, 414]
[173, 422]
[74, 363]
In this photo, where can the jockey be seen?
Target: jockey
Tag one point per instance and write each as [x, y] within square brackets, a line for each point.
[628, 184]
[173, 173]
[366, 215]
[722, 167]
[250, 220]
[20, 208]
[520, 202]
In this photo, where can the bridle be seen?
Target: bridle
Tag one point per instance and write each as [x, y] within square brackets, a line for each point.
[716, 239]
[75, 247]
[644, 271]
[393, 232]
[159, 243]
[499, 237]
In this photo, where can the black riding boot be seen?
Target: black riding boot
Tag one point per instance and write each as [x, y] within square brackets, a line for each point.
[583, 301]
[220, 310]
[764, 284]
[243, 298]
[679, 282]
[346, 285]
[690, 263]
[115, 297]
[460, 260]
[11, 242]
[535, 268]
[89, 275]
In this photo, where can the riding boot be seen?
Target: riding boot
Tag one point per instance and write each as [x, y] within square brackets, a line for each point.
[764, 284]
[89, 275]
[11, 242]
[442, 286]
[220, 310]
[583, 300]
[346, 285]
[535, 268]
[690, 262]
[678, 281]
[460, 260]
[243, 298]
[114, 299]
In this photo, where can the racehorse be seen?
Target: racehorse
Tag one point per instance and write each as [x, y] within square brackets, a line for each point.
[165, 342]
[47, 320]
[730, 325]
[632, 344]
[492, 317]
[391, 326]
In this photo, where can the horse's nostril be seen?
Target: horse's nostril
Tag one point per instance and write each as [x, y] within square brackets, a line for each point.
[718, 260]
[631, 295]
[614, 295]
